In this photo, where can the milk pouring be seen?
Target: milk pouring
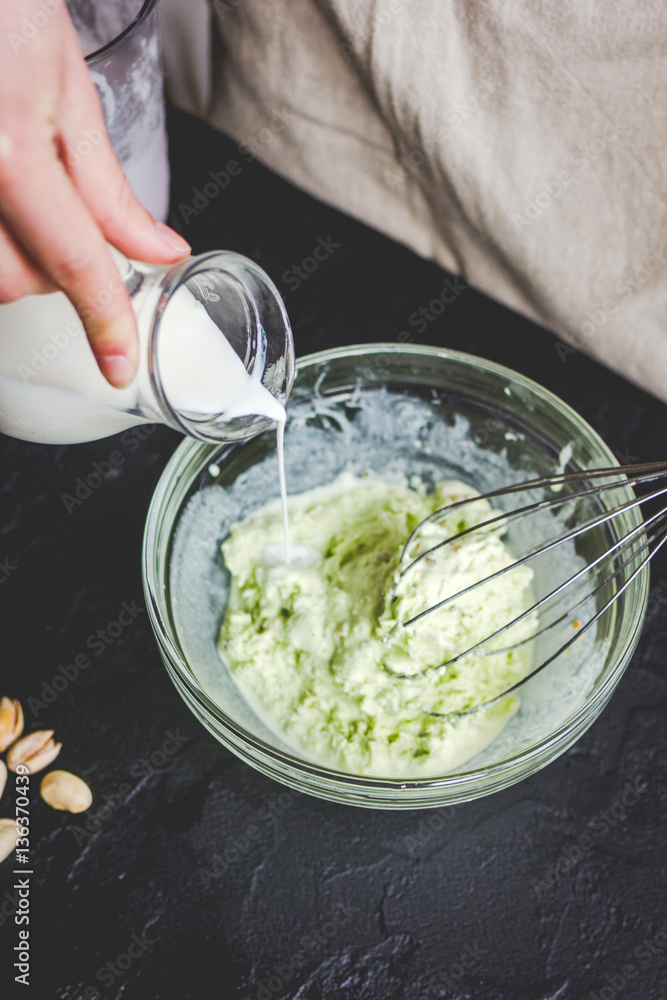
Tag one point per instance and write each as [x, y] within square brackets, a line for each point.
[216, 357]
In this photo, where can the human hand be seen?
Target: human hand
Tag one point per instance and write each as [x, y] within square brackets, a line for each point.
[57, 212]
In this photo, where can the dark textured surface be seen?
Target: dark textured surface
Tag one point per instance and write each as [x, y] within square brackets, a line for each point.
[320, 900]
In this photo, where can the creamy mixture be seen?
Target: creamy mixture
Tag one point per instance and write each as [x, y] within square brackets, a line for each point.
[319, 645]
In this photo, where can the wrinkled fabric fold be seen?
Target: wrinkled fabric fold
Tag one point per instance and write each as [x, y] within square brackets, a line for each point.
[519, 144]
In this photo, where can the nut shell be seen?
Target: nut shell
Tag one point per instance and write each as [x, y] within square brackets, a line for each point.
[9, 834]
[3, 777]
[36, 750]
[62, 790]
[11, 721]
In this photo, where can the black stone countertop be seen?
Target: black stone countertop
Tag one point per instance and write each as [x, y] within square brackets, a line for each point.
[493, 900]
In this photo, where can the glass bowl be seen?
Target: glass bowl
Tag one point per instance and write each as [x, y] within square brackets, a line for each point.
[392, 410]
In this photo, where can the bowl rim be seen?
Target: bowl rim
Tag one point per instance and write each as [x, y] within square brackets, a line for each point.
[193, 453]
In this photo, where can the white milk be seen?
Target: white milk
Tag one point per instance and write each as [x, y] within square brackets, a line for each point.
[133, 108]
[128, 80]
[147, 170]
[52, 391]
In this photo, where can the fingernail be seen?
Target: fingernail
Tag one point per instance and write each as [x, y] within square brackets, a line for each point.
[172, 239]
[117, 370]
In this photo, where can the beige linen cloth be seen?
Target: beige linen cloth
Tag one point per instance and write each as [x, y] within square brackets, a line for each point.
[519, 143]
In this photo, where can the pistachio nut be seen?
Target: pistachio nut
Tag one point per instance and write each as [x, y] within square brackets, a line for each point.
[11, 721]
[36, 751]
[63, 790]
[3, 777]
[9, 834]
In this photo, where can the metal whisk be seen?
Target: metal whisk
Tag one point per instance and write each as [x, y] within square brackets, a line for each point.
[582, 598]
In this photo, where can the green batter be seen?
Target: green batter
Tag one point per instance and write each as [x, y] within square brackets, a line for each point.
[319, 647]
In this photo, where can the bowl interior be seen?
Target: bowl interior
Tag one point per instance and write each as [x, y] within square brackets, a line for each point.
[395, 412]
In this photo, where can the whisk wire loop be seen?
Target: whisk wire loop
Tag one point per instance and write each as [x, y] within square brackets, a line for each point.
[606, 570]
[543, 549]
[483, 706]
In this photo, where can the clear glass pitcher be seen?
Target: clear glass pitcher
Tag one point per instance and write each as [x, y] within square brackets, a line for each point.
[121, 42]
[216, 356]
